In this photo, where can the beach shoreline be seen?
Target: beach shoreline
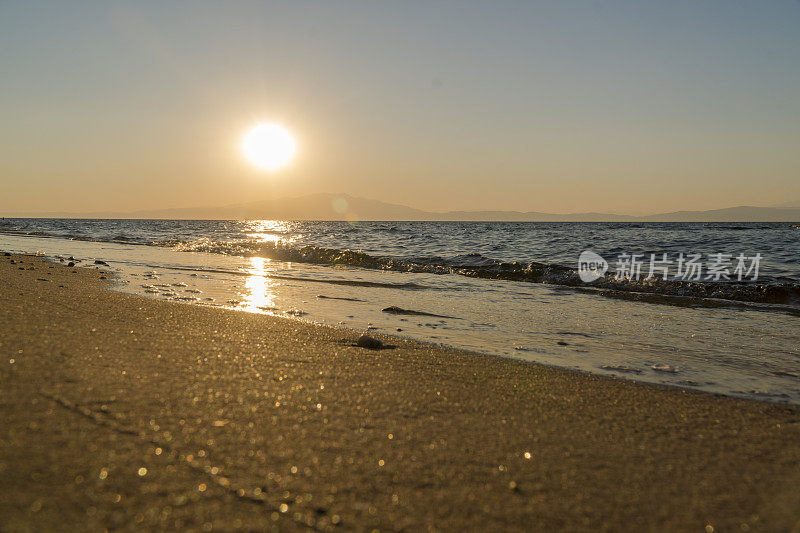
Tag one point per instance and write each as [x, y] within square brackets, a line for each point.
[127, 412]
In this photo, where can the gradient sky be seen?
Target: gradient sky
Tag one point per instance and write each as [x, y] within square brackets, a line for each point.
[564, 106]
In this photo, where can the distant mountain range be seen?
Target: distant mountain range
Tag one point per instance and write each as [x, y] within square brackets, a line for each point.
[344, 207]
[787, 204]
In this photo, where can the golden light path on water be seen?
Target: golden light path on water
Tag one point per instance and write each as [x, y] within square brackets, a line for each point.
[259, 295]
[270, 231]
[259, 288]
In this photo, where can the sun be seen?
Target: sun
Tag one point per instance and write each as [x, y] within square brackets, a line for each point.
[269, 146]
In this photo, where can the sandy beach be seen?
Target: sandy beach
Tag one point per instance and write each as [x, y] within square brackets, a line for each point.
[122, 412]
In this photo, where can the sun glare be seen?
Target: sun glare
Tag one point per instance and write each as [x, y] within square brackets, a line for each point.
[269, 146]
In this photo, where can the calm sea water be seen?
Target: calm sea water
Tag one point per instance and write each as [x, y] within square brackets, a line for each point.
[508, 289]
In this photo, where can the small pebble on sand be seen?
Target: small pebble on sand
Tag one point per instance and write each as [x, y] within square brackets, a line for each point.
[371, 343]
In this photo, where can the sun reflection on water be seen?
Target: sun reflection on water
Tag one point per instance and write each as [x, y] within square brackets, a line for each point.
[274, 231]
[259, 288]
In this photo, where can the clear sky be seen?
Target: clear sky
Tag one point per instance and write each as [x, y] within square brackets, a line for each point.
[564, 106]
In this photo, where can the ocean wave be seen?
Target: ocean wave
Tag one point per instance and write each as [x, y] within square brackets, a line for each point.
[476, 265]
[776, 290]
[350, 282]
[74, 236]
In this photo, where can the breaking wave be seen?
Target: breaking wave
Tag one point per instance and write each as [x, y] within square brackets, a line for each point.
[656, 290]
[433, 248]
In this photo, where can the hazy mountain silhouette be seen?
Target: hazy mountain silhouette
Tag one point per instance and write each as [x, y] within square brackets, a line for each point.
[743, 213]
[326, 206]
[787, 204]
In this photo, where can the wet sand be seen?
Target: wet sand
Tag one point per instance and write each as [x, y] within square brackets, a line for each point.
[128, 413]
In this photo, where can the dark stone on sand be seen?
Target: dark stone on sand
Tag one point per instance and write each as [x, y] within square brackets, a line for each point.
[322, 296]
[562, 343]
[621, 368]
[102, 277]
[42, 279]
[7, 254]
[70, 264]
[393, 309]
[371, 343]
[98, 262]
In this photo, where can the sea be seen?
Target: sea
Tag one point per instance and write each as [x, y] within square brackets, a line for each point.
[703, 306]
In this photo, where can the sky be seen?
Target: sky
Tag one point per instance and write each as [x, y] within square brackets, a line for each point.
[629, 107]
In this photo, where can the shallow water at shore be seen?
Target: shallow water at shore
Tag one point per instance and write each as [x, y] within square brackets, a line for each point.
[514, 251]
[740, 352]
